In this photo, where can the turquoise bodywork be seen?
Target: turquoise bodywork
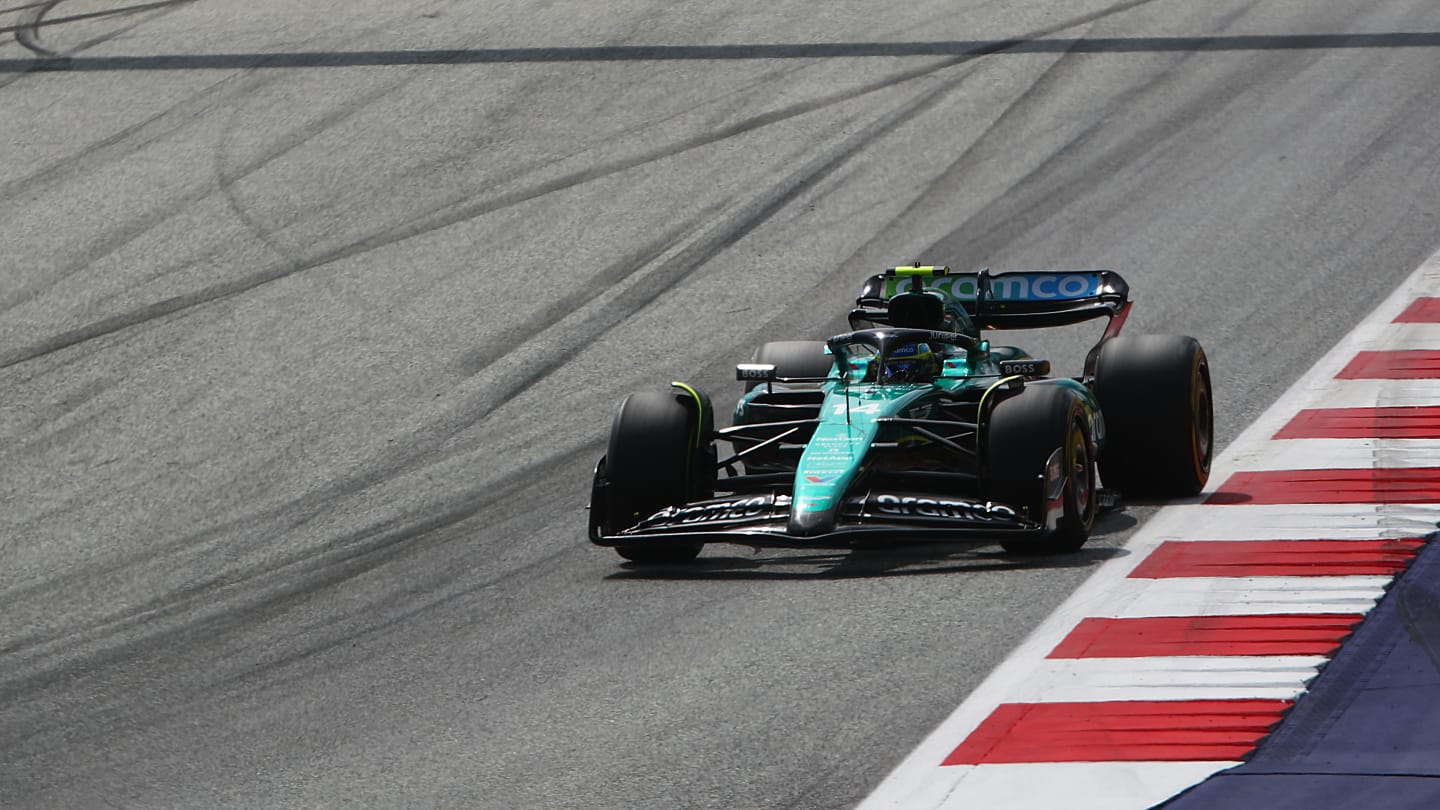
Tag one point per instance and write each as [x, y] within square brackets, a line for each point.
[854, 413]
[836, 453]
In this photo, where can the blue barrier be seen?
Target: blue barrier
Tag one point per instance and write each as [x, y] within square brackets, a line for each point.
[1367, 734]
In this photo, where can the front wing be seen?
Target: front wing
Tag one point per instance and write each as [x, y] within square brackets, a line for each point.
[763, 519]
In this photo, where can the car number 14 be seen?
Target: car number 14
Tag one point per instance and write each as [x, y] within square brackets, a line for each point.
[841, 408]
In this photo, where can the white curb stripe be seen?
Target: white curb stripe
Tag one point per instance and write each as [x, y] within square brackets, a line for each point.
[1086, 786]
[1295, 522]
[1228, 677]
[1333, 393]
[1339, 454]
[1242, 596]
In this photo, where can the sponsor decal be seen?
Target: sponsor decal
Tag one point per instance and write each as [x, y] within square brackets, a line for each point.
[956, 288]
[840, 409]
[821, 479]
[1044, 286]
[927, 508]
[1027, 368]
[1010, 286]
[731, 510]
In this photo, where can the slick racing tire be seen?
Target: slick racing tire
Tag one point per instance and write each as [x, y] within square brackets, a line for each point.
[794, 358]
[1025, 431]
[1154, 393]
[648, 467]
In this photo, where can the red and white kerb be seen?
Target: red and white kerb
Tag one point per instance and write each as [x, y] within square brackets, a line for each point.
[1175, 660]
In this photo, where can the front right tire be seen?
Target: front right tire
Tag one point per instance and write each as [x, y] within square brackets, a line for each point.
[1025, 431]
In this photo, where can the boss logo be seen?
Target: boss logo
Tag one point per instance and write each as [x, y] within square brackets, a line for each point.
[755, 371]
[1025, 368]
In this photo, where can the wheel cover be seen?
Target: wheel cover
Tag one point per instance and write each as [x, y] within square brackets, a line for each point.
[1082, 482]
[1202, 418]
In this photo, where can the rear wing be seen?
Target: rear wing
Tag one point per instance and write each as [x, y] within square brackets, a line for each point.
[1022, 299]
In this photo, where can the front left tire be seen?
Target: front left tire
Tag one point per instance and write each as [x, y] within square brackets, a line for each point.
[649, 464]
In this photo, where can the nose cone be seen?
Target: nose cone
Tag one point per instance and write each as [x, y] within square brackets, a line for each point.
[811, 523]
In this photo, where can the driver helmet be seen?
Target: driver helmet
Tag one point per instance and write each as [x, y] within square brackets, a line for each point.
[958, 320]
[910, 363]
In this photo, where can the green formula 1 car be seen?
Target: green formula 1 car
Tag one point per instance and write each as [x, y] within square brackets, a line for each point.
[915, 427]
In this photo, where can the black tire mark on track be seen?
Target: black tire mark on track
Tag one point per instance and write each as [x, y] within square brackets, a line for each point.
[228, 177]
[185, 113]
[28, 32]
[1056, 184]
[49, 59]
[447, 214]
[457, 211]
[209, 613]
[668, 275]
[388, 541]
[303, 60]
[675, 271]
[620, 135]
[294, 514]
[491, 351]
[995, 225]
[27, 6]
[290, 516]
[129, 142]
[846, 270]
[38, 22]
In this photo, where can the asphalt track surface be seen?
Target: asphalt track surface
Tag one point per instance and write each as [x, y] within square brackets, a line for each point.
[313, 318]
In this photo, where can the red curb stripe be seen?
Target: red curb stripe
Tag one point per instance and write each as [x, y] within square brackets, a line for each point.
[1410, 364]
[1278, 558]
[1162, 730]
[1384, 485]
[1421, 310]
[1364, 423]
[1267, 634]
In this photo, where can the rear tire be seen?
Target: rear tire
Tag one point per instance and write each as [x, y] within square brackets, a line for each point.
[794, 358]
[1024, 431]
[648, 467]
[1155, 396]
